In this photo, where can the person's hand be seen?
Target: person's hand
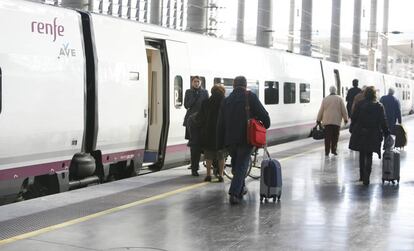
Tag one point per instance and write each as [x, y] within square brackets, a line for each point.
[318, 122]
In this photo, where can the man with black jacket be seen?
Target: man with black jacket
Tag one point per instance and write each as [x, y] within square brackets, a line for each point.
[232, 132]
[351, 95]
[192, 102]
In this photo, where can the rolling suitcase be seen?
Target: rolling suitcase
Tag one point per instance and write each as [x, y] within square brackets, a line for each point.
[391, 166]
[270, 178]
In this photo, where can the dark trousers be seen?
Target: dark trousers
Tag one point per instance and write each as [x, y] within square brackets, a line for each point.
[240, 158]
[365, 164]
[331, 138]
[195, 157]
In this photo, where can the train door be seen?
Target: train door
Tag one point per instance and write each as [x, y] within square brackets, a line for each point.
[157, 105]
[179, 71]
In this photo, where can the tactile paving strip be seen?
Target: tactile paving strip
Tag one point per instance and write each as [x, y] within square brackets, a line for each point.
[33, 222]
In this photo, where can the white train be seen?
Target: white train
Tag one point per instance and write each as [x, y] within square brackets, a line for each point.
[86, 97]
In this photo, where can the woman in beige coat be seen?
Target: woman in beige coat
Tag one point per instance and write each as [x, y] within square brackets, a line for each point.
[331, 113]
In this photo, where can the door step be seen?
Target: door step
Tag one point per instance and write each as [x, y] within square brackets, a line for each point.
[150, 157]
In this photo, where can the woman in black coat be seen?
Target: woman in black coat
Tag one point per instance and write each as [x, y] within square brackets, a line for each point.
[368, 128]
[209, 114]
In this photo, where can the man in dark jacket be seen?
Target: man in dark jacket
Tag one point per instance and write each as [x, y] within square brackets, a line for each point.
[351, 95]
[192, 102]
[392, 109]
[232, 132]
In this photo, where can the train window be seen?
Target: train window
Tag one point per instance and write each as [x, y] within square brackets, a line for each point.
[304, 93]
[253, 86]
[178, 91]
[289, 91]
[202, 80]
[271, 92]
[226, 82]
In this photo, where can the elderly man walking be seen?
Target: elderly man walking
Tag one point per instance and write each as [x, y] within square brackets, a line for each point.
[331, 113]
[392, 109]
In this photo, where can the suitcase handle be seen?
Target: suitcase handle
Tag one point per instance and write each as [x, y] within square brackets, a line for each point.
[266, 154]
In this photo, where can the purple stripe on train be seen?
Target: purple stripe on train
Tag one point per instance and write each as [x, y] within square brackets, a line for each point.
[34, 170]
[58, 166]
[121, 156]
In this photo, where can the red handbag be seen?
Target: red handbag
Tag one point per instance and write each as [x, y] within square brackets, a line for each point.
[256, 132]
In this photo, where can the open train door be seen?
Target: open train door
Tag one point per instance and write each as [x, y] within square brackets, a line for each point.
[157, 103]
[179, 81]
[168, 78]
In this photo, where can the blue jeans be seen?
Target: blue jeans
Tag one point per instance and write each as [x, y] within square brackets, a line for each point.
[240, 157]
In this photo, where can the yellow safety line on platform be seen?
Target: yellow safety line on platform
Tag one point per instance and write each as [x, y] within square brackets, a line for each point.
[116, 209]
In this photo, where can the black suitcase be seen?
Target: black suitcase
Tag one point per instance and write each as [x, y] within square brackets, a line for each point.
[270, 179]
[391, 166]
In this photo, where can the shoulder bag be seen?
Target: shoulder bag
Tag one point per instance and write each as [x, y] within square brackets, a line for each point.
[256, 132]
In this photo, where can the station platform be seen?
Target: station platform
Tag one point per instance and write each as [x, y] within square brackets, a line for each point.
[323, 207]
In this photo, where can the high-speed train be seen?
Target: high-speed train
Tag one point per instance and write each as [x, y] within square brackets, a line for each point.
[86, 98]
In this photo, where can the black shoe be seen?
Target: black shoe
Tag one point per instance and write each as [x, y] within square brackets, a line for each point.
[366, 182]
[194, 173]
[335, 153]
[234, 200]
[207, 179]
[220, 179]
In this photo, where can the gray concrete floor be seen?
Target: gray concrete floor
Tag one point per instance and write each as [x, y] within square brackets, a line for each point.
[323, 207]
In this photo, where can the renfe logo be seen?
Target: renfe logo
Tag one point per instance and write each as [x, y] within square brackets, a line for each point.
[48, 29]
